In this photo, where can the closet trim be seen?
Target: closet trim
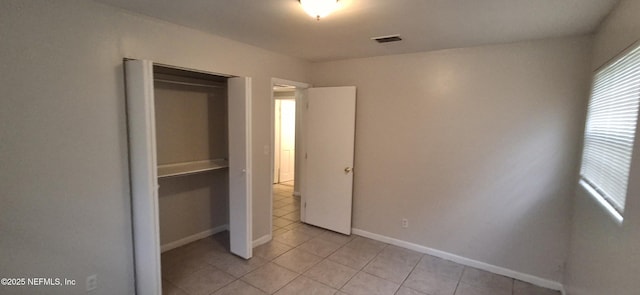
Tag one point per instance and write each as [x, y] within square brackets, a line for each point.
[143, 168]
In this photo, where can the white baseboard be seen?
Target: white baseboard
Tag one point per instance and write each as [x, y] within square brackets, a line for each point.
[545, 283]
[193, 238]
[296, 194]
[262, 240]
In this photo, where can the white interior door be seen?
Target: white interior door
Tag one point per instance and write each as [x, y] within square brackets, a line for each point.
[143, 173]
[240, 211]
[329, 121]
[287, 139]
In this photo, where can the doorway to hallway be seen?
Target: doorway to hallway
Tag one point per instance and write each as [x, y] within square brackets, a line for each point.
[286, 208]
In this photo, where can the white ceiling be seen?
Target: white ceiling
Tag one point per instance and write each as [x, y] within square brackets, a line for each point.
[282, 26]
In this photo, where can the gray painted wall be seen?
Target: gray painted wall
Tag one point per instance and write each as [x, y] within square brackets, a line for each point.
[64, 181]
[192, 204]
[191, 124]
[604, 257]
[477, 147]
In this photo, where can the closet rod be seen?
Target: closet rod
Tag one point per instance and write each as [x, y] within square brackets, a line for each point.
[188, 83]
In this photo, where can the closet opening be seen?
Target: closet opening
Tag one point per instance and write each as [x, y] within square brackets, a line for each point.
[190, 167]
[192, 155]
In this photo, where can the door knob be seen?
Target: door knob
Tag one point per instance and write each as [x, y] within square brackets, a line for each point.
[347, 170]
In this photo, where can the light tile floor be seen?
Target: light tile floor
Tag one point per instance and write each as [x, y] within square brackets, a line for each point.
[302, 259]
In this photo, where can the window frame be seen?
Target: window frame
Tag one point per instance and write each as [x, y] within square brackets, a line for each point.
[584, 182]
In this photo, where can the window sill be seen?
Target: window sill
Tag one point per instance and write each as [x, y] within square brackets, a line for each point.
[617, 217]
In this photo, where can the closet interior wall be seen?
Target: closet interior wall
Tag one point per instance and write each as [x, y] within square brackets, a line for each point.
[191, 132]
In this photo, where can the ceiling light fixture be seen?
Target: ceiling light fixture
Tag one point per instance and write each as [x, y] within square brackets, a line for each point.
[319, 8]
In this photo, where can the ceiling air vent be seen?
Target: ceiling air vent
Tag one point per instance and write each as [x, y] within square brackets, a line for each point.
[387, 39]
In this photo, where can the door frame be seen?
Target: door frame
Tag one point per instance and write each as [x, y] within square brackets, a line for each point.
[145, 220]
[276, 141]
[299, 146]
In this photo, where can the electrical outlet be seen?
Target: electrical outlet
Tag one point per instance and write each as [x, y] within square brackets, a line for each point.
[405, 223]
[92, 282]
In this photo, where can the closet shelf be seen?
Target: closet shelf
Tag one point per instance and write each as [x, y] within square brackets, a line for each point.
[187, 168]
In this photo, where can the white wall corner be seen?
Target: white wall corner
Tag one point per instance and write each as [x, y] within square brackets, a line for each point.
[545, 283]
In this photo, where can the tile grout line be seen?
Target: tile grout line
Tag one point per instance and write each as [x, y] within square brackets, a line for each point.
[183, 290]
[287, 284]
[216, 290]
[273, 261]
[408, 275]
[460, 280]
[343, 246]
[336, 250]
[306, 277]
[362, 269]
[404, 280]
[374, 258]
[321, 260]
[327, 258]
[234, 277]
[285, 252]
[357, 271]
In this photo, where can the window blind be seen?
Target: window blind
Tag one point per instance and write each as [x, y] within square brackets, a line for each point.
[611, 126]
